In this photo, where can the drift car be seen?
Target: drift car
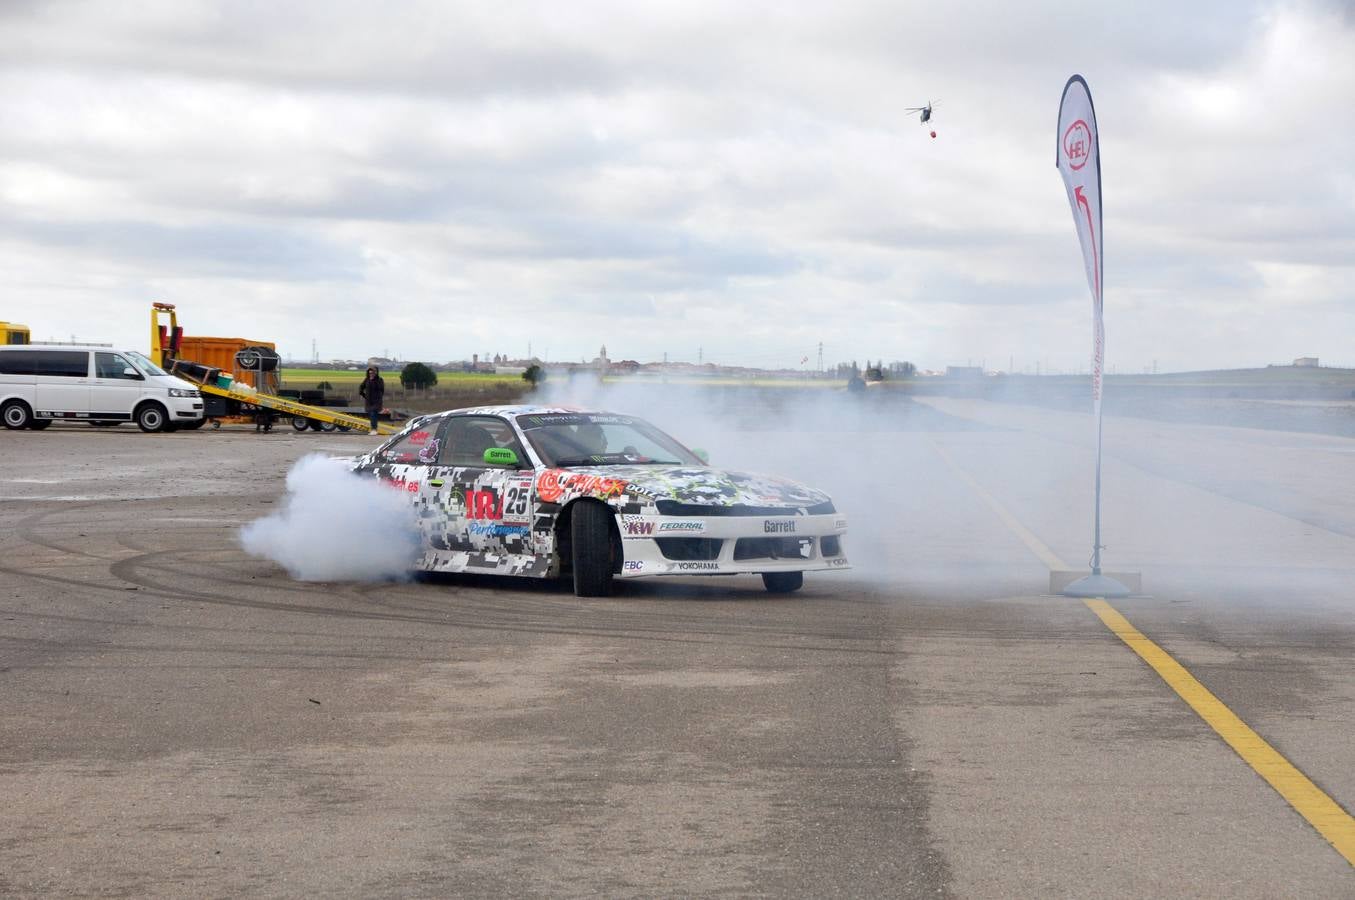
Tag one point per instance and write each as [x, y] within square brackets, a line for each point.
[542, 491]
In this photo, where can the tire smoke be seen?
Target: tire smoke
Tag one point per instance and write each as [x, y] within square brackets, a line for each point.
[336, 526]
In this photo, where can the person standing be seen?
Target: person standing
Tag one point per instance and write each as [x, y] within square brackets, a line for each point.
[373, 393]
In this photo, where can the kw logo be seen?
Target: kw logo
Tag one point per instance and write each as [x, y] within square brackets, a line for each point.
[639, 528]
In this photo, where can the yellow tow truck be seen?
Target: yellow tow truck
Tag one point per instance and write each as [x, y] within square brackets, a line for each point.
[232, 394]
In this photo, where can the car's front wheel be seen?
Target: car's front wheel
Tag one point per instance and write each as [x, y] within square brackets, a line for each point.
[591, 549]
[151, 417]
[783, 582]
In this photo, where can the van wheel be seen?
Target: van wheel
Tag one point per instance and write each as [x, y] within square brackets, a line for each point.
[16, 415]
[783, 582]
[151, 417]
[591, 549]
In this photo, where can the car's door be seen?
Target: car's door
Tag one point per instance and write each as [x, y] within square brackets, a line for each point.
[116, 389]
[488, 504]
[405, 465]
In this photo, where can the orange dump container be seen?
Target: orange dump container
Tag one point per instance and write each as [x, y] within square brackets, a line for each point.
[219, 353]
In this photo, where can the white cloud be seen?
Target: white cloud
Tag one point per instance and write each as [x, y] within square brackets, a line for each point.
[440, 179]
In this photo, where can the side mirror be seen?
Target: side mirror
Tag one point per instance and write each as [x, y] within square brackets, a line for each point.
[129, 372]
[702, 455]
[501, 456]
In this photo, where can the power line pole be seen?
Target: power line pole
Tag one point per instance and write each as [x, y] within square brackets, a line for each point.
[820, 357]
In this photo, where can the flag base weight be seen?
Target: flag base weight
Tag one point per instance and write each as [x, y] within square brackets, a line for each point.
[1096, 585]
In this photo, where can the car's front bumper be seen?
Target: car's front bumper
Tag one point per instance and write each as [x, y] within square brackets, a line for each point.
[730, 545]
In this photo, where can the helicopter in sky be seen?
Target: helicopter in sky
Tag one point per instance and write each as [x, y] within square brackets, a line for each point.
[924, 114]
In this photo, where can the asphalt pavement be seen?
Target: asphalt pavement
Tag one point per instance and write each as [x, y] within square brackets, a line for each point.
[178, 718]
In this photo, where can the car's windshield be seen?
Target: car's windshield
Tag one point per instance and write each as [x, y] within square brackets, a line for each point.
[596, 439]
[144, 364]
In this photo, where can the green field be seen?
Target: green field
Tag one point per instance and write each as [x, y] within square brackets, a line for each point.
[346, 379]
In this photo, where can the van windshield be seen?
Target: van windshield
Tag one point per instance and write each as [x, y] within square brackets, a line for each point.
[144, 364]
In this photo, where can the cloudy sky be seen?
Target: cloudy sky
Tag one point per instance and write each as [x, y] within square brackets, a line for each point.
[735, 180]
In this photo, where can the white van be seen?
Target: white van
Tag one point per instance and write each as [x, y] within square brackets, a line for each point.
[41, 383]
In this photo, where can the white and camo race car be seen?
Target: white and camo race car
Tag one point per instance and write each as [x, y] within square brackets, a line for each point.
[544, 491]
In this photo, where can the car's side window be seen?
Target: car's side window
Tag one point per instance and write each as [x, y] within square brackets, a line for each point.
[110, 365]
[419, 446]
[466, 438]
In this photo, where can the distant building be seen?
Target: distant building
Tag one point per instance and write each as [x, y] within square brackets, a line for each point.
[964, 372]
[1306, 361]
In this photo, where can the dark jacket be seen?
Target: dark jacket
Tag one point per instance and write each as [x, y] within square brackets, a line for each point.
[373, 392]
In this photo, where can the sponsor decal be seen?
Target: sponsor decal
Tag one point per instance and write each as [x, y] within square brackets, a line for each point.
[633, 565]
[542, 419]
[682, 527]
[419, 437]
[483, 504]
[553, 484]
[454, 504]
[778, 527]
[401, 484]
[697, 566]
[429, 453]
[837, 561]
[638, 528]
[497, 529]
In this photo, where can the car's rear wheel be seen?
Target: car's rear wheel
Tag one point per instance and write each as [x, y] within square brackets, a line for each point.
[300, 423]
[16, 415]
[591, 549]
[783, 582]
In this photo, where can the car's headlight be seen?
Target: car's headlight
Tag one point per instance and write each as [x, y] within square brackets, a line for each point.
[183, 392]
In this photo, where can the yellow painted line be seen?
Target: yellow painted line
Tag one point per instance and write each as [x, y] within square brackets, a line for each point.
[1321, 811]
[1033, 544]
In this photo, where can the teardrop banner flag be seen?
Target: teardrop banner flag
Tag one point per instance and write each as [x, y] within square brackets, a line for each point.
[1079, 162]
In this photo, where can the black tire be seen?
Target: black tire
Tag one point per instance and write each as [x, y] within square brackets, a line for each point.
[324, 426]
[39, 424]
[248, 359]
[16, 415]
[591, 549]
[783, 582]
[151, 417]
[216, 424]
[300, 423]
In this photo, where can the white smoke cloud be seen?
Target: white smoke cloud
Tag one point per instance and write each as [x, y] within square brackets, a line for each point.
[336, 526]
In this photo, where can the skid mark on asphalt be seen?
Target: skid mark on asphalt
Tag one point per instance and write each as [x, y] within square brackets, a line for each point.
[1307, 799]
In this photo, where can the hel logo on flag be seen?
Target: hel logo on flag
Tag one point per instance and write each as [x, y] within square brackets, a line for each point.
[1079, 162]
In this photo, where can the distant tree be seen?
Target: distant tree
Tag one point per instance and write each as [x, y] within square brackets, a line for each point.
[417, 375]
[534, 375]
[906, 369]
[324, 386]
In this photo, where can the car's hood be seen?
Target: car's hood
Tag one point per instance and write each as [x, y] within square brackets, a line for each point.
[706, 486]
